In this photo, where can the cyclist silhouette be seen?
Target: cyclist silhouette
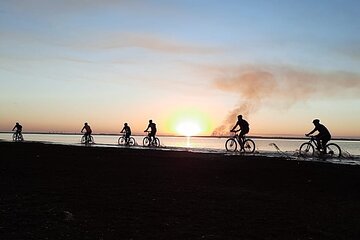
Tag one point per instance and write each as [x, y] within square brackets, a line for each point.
[244, 128]
[152, 132]
[323, 137]
[126, 129]
[18, 128]
[88, 130]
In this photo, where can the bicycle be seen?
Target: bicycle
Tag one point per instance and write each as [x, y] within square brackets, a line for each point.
[155, 141]
[87, 139]
[307, 149]
[18, 137]
[248, 145]
[126, 142]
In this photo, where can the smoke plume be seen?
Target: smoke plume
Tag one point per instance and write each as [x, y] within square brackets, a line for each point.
[285, 86]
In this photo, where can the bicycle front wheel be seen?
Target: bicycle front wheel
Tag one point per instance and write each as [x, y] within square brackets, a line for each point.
[333, 150]
[83, 139]
[231, 145]
[121, 141]
[14, 137]
[306, 150]
[146, 141]
[249, 146]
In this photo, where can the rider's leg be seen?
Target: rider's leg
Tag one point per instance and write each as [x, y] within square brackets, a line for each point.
[152, 134]
[242, 138]
[127, 138]
[87, 137]
[318, 143]
[324, 141]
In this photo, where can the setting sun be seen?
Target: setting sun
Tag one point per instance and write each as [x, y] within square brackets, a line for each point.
[188, 128]
[189, 122]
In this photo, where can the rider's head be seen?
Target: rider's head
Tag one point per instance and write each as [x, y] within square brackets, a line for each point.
[125, 124]
[239, 116]
[150, 121]
[316, 121]
[17, 123]
[85, 123]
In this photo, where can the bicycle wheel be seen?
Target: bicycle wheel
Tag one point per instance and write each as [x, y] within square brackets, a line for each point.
[156, 142]
[249, 146]
[146, 141]
[91, 140]
[121, 141]
[83, 139]
[14, 137]
[231, 145]
[306, 150]
[333, 150]
[131, 141]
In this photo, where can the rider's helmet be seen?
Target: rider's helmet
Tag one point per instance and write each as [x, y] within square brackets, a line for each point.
[316, 121]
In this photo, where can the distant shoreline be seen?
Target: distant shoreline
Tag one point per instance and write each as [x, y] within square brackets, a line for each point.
[355, 139]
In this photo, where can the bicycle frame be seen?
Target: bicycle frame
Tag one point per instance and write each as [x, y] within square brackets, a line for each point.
[307, 149]
[246, 144]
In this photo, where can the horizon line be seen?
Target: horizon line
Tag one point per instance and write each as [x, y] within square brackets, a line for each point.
[275, 136]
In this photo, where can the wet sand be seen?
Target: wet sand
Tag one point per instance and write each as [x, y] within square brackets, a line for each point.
[78, 192]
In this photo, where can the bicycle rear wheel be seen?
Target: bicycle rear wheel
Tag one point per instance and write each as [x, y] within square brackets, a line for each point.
[306, 150]
[249, 146]
[231, 145]
[131, 141]
[156, 142]
[333, 150]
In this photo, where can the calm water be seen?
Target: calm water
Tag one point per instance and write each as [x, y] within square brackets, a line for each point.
[202, 144]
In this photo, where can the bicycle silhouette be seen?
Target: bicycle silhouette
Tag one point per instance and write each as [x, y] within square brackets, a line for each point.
[18, 137]
[247, 146]
[126, 142]
[155, 141]
[87, 139]
[307, 149]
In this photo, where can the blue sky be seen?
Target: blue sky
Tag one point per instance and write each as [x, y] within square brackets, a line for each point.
[109, 62]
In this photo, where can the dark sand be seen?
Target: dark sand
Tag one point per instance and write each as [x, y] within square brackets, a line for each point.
[69, 192]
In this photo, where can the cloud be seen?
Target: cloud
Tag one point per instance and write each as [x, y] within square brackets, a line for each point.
[285, 85]
[141, 40]
[63, 6]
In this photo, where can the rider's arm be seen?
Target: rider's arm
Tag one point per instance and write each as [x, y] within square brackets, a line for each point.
[234, 127]
[13, 128]
[314, 130]
[122, 130]
[147, 128]
[82, 129]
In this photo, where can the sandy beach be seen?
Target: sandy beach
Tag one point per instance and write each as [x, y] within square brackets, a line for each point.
[77, 192]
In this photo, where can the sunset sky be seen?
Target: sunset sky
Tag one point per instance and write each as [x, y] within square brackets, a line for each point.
[184, 64]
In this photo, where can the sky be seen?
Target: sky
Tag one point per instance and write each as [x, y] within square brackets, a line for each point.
[184, 64]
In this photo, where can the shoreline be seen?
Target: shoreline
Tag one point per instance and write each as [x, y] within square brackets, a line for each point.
[51, 191]
[352, 139]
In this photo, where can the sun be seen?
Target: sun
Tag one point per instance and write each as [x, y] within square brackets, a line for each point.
[188, 121]
[188, 128]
